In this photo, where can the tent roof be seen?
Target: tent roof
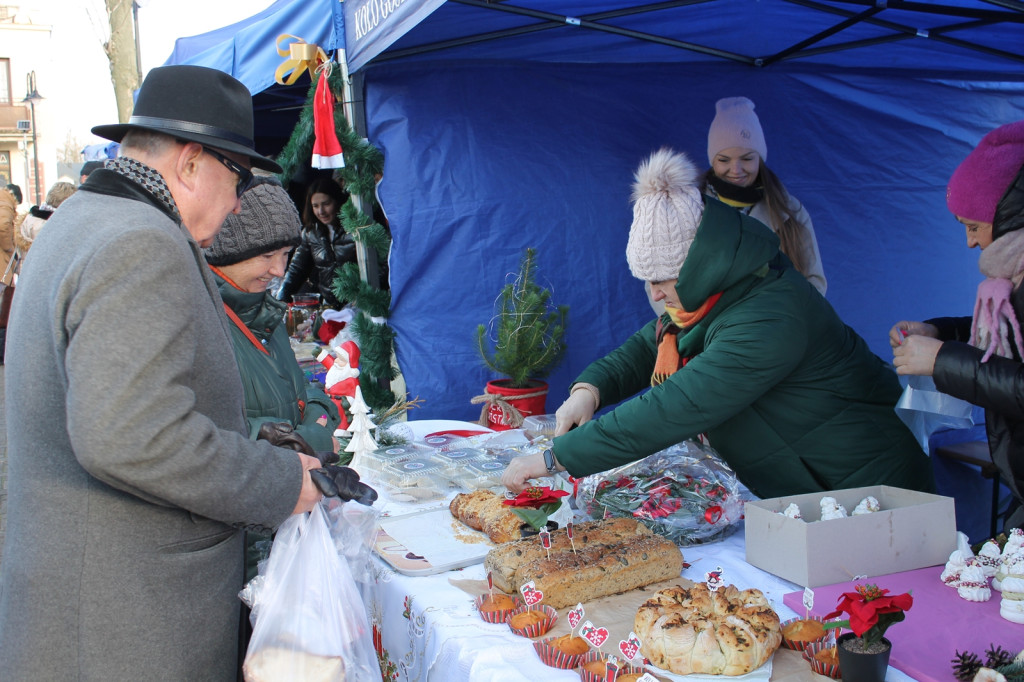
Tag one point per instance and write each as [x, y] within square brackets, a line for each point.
[962, 35]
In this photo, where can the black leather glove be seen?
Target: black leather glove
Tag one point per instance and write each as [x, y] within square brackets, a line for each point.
[283, 435]
[343, 483]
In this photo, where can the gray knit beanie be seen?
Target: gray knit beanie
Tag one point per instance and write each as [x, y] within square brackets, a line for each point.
[667, 208]
[735, 125]
[268, 221]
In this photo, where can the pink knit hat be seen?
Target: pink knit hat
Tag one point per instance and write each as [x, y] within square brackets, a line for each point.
[735, 125]
[981, 180]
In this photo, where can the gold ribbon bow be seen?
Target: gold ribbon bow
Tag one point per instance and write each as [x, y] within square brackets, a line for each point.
[302, 57]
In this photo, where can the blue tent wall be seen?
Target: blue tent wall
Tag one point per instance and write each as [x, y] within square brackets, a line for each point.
[484, 159]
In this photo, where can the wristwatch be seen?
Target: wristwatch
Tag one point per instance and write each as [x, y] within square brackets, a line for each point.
[549, 461]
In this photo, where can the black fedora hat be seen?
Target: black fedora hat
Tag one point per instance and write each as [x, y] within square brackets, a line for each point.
[197, 104]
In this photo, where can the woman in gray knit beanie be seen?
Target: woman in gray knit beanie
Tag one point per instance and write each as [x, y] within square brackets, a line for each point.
[249, 252]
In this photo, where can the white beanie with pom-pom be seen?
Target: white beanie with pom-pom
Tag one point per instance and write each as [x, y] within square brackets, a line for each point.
[667, 208]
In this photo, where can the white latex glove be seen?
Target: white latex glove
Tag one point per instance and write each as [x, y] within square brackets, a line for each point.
[577, 409]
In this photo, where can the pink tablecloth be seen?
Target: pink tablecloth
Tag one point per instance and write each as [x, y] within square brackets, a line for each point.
[938, 625]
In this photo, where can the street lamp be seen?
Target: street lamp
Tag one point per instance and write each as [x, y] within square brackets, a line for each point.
[31, 98]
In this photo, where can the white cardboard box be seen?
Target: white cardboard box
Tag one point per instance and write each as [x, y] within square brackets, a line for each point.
[912, 530]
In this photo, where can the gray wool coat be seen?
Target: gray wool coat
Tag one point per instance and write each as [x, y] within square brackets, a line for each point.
[130, 470]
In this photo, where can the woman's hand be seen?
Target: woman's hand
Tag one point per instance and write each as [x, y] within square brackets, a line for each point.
[577, 409]
[916, 355]
[903, 329]
[522, 469]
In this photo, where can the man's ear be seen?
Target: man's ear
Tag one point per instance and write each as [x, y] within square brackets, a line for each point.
[186, 165]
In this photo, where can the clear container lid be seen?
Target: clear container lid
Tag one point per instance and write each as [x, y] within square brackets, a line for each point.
[392, 454]
[459, 457]
[412, 472]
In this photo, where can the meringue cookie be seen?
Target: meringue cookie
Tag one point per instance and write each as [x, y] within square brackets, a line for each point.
[867, 505]
[989, 557]
[974, 583]
[792, 511]
[954, 567]
[1014, 541]
[1012, 609]
[831, 509]
[1004, 568]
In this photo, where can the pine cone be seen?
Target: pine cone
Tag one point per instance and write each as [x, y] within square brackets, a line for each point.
[965, 666]
[996, 656]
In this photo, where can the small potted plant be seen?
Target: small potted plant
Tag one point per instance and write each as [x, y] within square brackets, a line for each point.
[864, 652]
[523, 343]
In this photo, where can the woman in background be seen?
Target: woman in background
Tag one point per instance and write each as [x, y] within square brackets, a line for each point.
[324, 245]
[249, 251]
[27, 227]
[740, 178]
[981, 359]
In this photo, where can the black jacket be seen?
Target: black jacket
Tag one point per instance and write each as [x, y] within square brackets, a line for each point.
[317, 259]
[998, 384]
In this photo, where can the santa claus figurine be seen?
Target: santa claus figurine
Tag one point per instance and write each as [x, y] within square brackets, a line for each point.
[342, 363]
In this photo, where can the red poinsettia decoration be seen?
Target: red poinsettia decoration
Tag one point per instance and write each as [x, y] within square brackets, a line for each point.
[871, 611]
[534, 505]
[536, 497]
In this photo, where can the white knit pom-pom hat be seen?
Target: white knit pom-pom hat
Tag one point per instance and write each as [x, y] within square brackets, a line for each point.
[667, 208]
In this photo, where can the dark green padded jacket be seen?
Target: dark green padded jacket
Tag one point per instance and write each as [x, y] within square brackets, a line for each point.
[274, 384]
[790, 396]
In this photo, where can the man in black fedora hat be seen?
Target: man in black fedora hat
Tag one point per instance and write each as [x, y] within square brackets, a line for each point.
[131, 473]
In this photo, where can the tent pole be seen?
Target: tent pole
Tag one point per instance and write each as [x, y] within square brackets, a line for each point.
[355, 112]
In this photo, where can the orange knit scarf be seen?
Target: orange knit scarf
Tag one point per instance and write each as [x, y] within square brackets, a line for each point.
[668, 361]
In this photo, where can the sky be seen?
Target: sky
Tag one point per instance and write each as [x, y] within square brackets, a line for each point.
[73, 75]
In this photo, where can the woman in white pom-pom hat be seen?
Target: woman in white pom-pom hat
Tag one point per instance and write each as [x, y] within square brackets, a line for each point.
[747, 352]
[740, 178]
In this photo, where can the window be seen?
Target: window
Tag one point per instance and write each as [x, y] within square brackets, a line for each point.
[5, 81]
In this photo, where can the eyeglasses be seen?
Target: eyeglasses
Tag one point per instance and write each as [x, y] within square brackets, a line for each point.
[245, 176]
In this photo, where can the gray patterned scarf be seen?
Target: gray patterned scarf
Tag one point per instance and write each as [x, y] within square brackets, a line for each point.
[148, 178]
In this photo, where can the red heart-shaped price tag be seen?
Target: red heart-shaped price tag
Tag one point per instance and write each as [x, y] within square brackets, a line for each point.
[531, 595]
[593, 634]
[568, 530]
[575, 616]
[490, 581]
[630, 646]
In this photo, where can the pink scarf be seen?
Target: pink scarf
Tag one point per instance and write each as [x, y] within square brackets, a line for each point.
[1003, 264]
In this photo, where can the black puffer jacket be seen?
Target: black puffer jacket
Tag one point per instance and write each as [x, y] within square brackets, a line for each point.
[317, 259]
[998, 384]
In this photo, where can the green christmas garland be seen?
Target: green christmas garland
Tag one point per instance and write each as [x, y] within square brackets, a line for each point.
[364, 163]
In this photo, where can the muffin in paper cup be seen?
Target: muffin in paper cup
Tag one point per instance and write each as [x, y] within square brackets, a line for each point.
[534, 629]
[624, 667]
[800, 644]
[555, 657]
[497, 615]
[816, 665]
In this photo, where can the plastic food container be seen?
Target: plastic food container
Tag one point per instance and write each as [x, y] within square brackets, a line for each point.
[456, 459]
[415, 472]
[482, 474]
[382, 457]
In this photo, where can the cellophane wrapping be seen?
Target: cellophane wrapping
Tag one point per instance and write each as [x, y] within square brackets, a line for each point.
[686, 493]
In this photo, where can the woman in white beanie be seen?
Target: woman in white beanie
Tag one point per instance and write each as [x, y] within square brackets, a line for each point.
[747, 353]
[740, 178]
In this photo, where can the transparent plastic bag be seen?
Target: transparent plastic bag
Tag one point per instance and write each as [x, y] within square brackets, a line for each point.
[684, 492]
[925, 409]
[310, 622]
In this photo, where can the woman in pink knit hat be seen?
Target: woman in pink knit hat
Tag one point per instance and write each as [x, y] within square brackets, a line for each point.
[979, 358]
[740, 178]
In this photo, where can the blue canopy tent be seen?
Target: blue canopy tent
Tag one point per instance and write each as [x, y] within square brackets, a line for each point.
[506, 126]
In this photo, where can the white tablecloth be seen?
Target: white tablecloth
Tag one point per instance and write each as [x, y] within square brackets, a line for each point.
[427, 629]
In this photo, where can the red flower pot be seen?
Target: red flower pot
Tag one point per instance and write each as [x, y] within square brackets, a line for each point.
[529, 400]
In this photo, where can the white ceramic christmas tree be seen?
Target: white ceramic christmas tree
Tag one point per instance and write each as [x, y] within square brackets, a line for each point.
[362, 442]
